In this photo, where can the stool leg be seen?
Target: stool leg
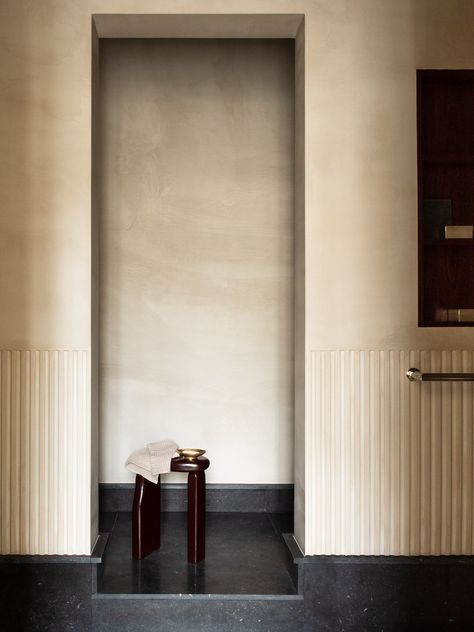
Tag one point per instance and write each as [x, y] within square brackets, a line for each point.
[196, 517]
[145, 517]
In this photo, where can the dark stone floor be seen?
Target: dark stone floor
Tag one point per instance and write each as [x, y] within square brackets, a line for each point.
[240, 587]
[245, 555]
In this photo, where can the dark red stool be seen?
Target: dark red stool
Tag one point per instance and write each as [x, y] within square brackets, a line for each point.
[146, 517]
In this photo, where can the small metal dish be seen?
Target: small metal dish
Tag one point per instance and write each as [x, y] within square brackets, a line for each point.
[191, 453]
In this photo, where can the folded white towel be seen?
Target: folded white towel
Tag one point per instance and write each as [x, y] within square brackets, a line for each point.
[160, 447]
[153, 460]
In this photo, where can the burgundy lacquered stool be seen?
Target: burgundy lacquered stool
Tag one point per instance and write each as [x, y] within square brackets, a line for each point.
[146, 517]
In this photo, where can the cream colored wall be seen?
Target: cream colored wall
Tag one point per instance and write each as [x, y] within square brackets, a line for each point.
[361, 153]
[370, 452]
[196, 184]
[360, 166]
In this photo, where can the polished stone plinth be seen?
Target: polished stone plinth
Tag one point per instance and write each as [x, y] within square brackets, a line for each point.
[245, 556]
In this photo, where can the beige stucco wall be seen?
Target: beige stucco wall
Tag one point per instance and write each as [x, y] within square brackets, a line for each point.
[196, 182]
[360, 165]
[361, 152]
[361, 285]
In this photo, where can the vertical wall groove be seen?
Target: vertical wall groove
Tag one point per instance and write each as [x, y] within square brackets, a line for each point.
[44, 452]
[392, 461]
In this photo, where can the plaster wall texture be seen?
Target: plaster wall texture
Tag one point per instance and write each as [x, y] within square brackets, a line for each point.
[360, 151]
[361, 198]
[360, 167]
[196, 181]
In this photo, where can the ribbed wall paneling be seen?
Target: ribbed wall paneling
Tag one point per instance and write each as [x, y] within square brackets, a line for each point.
[45, 452]
[392, 462]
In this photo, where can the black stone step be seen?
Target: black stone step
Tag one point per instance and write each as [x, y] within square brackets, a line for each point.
[200, 613]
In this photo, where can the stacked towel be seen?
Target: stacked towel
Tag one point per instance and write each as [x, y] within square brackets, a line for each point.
[153, 460]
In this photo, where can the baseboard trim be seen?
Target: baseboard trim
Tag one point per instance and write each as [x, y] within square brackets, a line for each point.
[257, 498]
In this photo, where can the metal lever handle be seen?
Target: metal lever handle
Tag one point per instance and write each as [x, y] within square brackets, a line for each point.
[415, 375]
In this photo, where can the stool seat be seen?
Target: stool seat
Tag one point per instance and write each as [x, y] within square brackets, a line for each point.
[146, 510]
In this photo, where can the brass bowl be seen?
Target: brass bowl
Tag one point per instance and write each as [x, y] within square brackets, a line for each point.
[191, 453]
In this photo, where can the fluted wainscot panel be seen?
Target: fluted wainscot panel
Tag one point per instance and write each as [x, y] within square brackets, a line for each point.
[45, 452]
[391, 470]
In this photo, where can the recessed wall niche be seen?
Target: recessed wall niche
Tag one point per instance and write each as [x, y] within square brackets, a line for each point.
[196, 187]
